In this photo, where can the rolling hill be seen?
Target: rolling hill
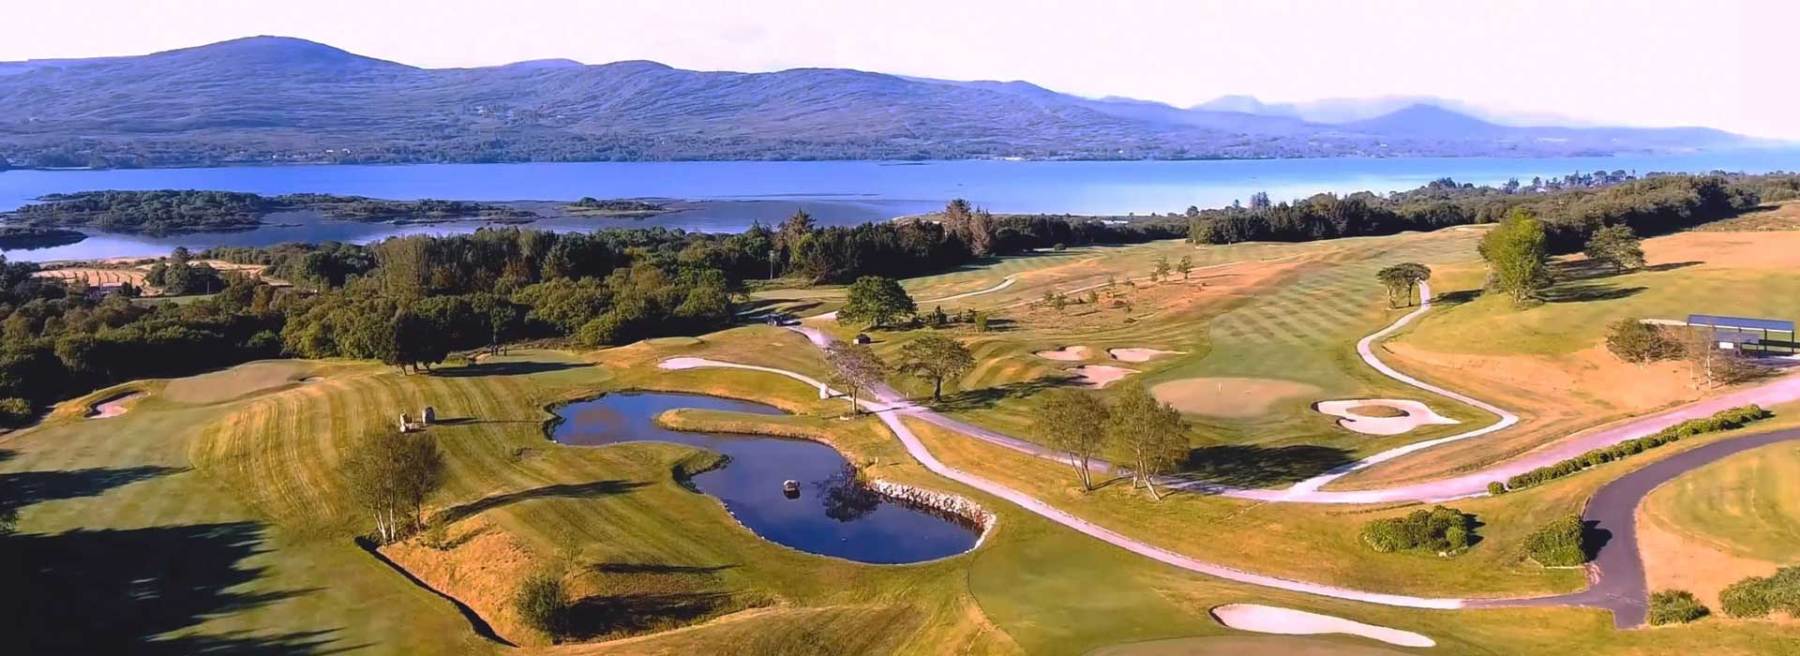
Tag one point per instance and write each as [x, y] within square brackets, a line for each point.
[274, 99]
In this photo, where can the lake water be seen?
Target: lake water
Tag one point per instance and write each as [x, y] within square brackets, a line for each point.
[834, 192]
[830, 516]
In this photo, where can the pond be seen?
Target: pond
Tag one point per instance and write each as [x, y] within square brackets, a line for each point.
[831, 515]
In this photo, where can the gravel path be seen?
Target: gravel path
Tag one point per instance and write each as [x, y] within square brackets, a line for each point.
[1617, 573]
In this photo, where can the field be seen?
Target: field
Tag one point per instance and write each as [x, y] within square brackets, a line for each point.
[1715, 525]
[114, 273]
[212, 515]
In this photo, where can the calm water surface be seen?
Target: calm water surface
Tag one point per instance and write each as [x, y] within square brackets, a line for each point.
[834, 192]
[831, 516]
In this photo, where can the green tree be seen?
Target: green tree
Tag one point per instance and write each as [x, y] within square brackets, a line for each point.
[1518, 257]
[1185, 266]
[1161, 269]
[1401, 279]
[1616, 246]
[1151, 435]
[391, 475]
[1075, 423]
[542, 603]
[875, 301]
[935, 358]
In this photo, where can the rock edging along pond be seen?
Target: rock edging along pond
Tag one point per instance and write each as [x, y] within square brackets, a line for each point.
[831, 510]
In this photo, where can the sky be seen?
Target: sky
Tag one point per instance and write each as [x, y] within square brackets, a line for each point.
[1716, 63]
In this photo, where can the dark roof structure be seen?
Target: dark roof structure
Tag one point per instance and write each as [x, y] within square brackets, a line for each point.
[1740, 323]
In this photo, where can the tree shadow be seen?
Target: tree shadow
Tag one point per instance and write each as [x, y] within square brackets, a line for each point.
[1671, 266]
[1249, 466]
[1458, 297]
[657, 568]
[504, 369]
[987, 397]
[563, 491]
[1585, 292]
[1593, 539]
[125, 591]
[594, 617]
[21, 489]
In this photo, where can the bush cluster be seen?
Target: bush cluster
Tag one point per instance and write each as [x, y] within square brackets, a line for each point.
[1722, 421]
[542, 604]
[1561, 543]
[1759, 595]
[1675, 607]
[1440, 530]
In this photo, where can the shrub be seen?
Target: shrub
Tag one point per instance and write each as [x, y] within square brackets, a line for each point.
[15, 411]
[1724, 420]
[541, 603]
[1439, 530]
[1675, 607]
[1496, 488]
[1638, 342]
[1758, 596]
[1560, 543]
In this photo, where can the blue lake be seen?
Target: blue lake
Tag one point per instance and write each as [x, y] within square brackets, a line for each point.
[831, 515]
[834, 192]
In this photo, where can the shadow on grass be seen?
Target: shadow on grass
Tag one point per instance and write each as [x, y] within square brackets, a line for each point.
[594, 617]
[125, 591]
[1458, 297]
[565, 491]
[1593, 539]
[21, 489]
[987, 397]
[657, 568]
[505, 369]
[1585, 292]
[1249, 466]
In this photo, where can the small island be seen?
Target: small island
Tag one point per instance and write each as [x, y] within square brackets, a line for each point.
[626, 208]
[29, 237]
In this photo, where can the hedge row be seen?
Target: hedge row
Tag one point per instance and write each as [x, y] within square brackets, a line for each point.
[1722, 421]
[1759, 595]
[1675, 607]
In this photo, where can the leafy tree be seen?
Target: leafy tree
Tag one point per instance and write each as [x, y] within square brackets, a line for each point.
[1561, 543]
[1518, 259]
[1075, 423]
[1638, 342]
[935, 358]
[391, 475]
[1185, 266]
[875, 301]
[854, 367]
[1616, 246]
[1151, 434]
[1161, 269]
[1401, 279]
[542, 604]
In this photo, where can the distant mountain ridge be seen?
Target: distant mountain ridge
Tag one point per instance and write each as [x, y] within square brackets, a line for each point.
[277, 99]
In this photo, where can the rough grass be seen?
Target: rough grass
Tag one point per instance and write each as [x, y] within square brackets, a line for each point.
[1746, 505]
[237, 382]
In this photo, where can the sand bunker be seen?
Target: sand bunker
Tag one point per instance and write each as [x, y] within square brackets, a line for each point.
[114, 406]
[1138, 354]
[1354, 414]
[1100, 375]
[1287, 621]
[1066, 354]
[1235, 398]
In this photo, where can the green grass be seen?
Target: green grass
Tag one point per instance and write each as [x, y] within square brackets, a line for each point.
[1746, 505]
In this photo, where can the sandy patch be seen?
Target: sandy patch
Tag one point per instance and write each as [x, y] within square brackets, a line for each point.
[1100, 375]
[1236, 398]
[114, 406]
[1287, 621]
[1138, 354]
[1067, 354]
[1412, 414]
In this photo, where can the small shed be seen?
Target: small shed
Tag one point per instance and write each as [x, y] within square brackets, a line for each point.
[1748, 333]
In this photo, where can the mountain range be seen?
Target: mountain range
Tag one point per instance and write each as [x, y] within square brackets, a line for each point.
[276, 100]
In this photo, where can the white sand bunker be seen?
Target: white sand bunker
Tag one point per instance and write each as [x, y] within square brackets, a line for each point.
[1287, 621]
[1138, 354]
[1066, 354]
[114, 406]
[1232, 398]
[1382, 416]
[1100, 375]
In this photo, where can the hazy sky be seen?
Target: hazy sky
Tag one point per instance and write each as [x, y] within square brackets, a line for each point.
[1652, 62]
